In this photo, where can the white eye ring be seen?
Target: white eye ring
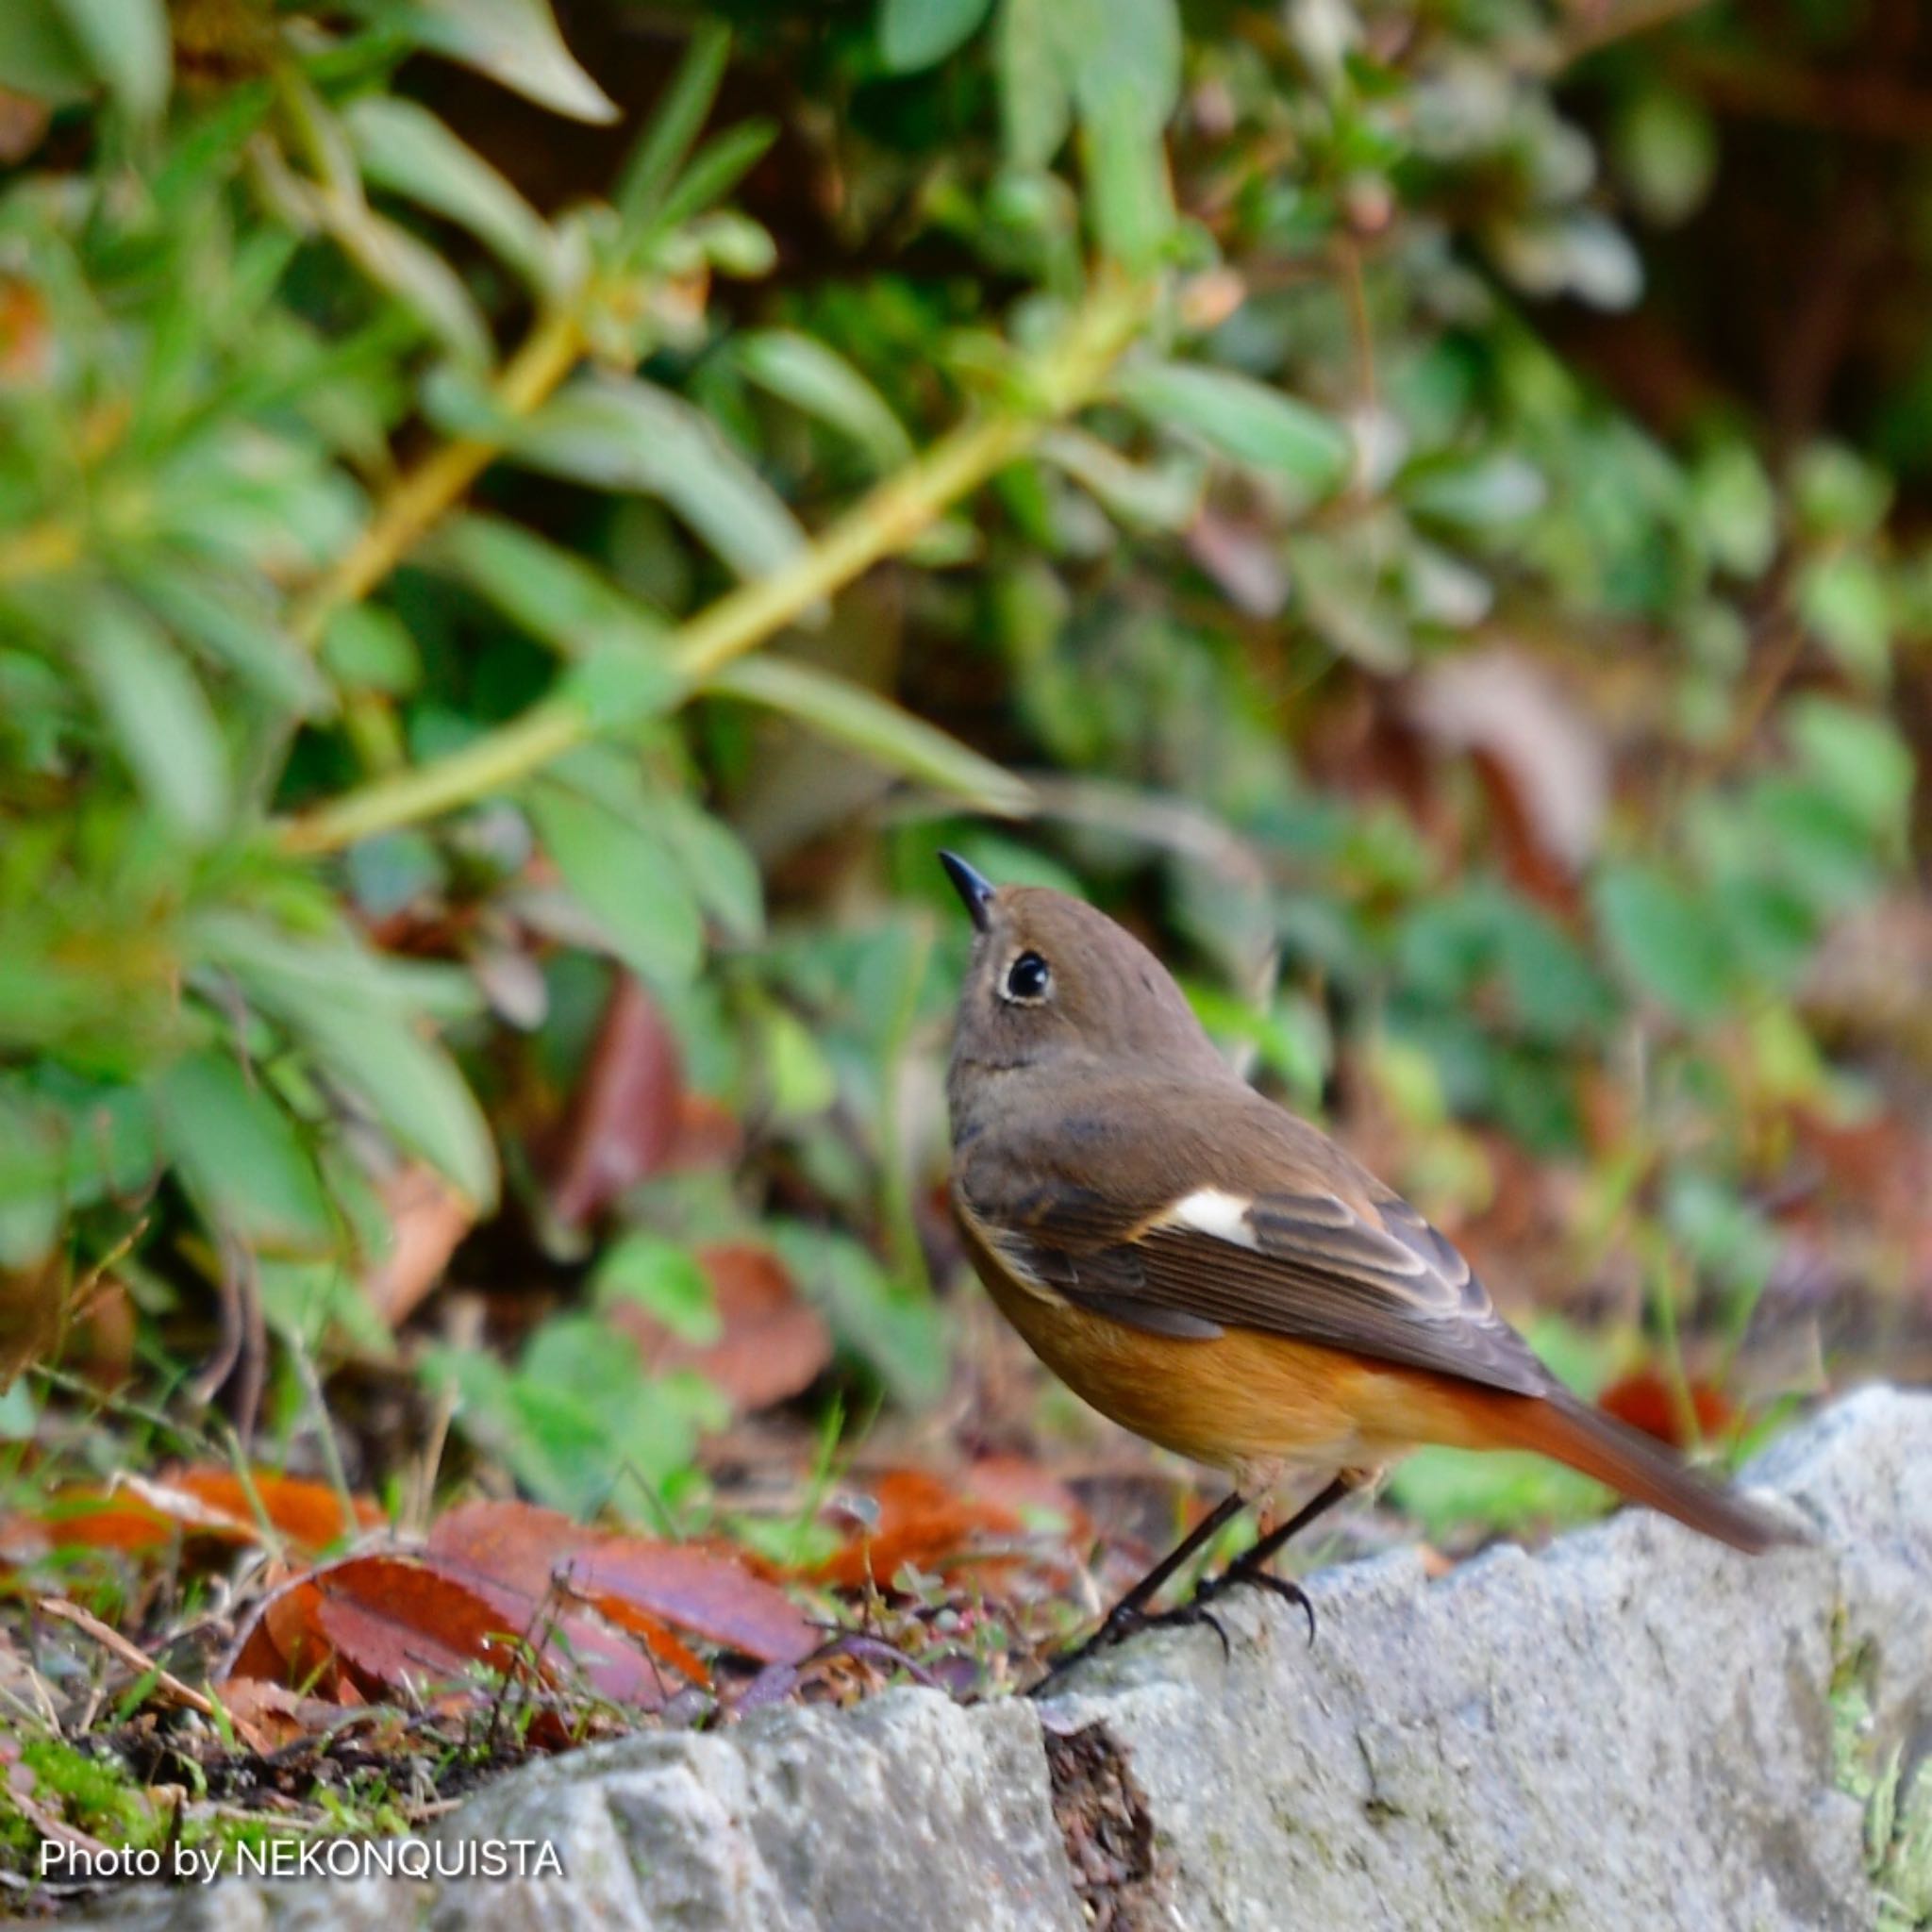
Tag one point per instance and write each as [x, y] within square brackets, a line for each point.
[1026, 981]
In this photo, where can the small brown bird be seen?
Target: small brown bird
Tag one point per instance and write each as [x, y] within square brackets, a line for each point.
[1217, 1276]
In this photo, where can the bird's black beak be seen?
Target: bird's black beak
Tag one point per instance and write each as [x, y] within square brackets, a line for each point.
[975, 891]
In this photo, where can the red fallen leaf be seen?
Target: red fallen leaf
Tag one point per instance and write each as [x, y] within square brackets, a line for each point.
[706, 1591]
[535, 1602]
[1543, 758]
[101, 1345]
[142, 1514]
[33, 1310]
[397, 1624]
[664, 1642]
[770, 1344]
[709, 1135]
[922, 1521]
[310, 1515]
[1646, 1401]
[84, 1520]
[1034, 1495]
[427, 1217]
[292, 1647]
[625, 1117]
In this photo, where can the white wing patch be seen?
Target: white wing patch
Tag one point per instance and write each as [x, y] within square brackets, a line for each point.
[1210, 1212]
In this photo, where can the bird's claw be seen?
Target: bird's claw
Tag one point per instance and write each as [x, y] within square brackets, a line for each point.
[1289, 1592]
[1194, 1611]
[1123, 1622]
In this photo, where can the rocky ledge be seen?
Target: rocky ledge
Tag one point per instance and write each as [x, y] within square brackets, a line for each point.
[1632, 1729]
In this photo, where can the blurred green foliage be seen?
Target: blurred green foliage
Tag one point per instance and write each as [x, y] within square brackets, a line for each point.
[435, 530]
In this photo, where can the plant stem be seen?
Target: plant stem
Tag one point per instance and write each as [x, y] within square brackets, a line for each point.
[494, 762]
[430, 490]
[881, 524]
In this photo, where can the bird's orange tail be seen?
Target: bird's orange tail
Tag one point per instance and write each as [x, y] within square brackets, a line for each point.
[1640, 1468]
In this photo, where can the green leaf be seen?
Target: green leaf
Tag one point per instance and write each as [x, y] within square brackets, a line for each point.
[805, 372]
[1666, 939]
[1123, 58]
[847, 712]
[1119, 59]
[898, 1333]
[416, 276]
[1125, 162]
[675, 122]
[128, 46]
[1846, 599]
[364, 1019]
[39, 55]
[915, 33]
[552, 593]
[621, 683]
[618, 433]
[1243, 419]
[315, 1304]
[1838, 492]
[1036, 98]
[514, 41]
[408, 1083]
[578, 1420]
[716, 169]
[719, 870]
[1666, 145]
[1858, 756]
[1339, 593]
[579, 1415]
[369, 648]
[1736, 507]
[406, 150]
[799, 1080]
[663, 1278]
[625, 880]
[32, 1168]
[1144, 497]
[159, 714]
[239, 629]
[1491, 493]
[242, 1157]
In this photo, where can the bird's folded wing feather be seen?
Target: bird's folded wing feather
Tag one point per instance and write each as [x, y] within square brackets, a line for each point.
[1348, 1266]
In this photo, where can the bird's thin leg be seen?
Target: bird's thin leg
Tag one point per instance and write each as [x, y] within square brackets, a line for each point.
[1131, 1611]
[1251, 1566]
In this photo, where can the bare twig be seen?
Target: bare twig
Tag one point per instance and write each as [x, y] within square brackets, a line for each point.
[131, 1655]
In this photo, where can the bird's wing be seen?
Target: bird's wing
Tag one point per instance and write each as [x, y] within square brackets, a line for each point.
[1347, 1265]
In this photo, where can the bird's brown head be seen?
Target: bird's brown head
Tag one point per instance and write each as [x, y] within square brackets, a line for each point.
[1052, 980]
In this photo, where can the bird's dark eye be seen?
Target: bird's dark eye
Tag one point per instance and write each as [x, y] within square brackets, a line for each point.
[1028, 978]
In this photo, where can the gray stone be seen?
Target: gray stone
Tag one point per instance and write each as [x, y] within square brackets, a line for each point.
[1634, 1729]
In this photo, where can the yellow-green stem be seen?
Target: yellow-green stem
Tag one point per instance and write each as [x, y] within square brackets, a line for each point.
[881, 524]
[431, 490]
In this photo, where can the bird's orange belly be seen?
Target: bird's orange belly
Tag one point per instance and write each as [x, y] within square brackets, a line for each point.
[1243, 1401]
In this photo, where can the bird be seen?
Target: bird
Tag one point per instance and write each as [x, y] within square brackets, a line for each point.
[1217, 1276]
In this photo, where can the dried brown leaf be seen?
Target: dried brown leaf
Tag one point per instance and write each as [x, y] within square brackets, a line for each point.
[623, 1121]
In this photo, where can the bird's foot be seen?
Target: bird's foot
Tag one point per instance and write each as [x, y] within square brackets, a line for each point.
[1211, 1587]
[1127, 1620]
